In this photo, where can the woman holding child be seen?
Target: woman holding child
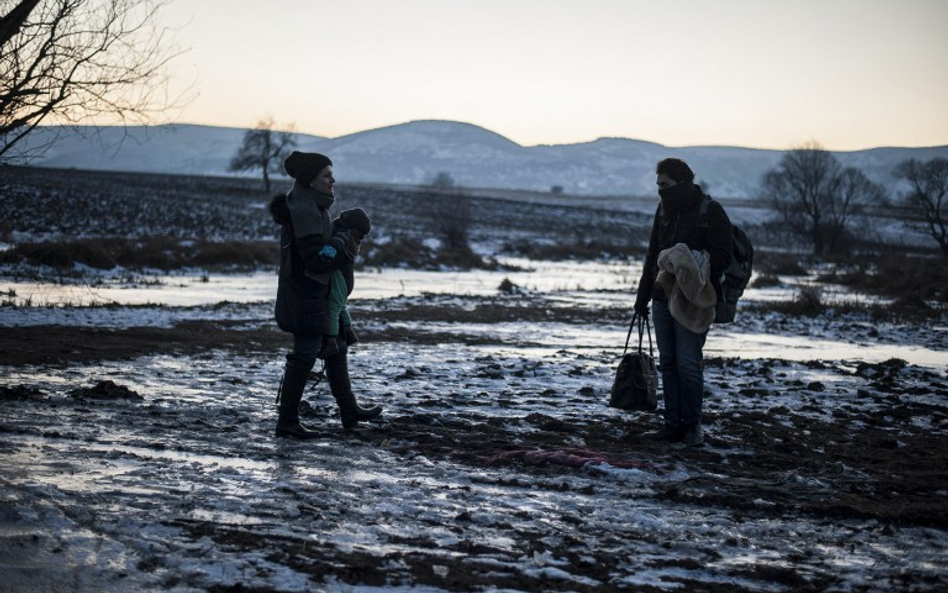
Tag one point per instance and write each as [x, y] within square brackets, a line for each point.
[317, 255]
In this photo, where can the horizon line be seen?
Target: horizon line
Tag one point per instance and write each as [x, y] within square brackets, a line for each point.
[322, 137]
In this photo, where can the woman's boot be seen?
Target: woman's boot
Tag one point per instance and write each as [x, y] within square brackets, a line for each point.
[291, 392]
[337, 371]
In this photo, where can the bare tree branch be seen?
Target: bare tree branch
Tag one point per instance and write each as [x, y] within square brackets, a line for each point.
[928, 196]
[81, 60]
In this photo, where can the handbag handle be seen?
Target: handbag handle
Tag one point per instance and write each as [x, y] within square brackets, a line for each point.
[643, 325]
[648, 326]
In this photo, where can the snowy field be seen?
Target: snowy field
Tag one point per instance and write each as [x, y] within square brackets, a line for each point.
[137, 412]
[497, 465]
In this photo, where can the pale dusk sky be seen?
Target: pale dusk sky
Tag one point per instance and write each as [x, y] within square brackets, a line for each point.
[849, 74]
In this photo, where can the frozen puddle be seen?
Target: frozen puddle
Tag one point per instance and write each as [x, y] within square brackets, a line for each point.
[198, 290]
[755, 345]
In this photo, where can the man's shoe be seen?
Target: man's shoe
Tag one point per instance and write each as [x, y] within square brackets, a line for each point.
[668, 434]
[694, 435]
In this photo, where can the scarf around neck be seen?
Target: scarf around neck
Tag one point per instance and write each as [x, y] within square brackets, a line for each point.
[678, 197]
[309, 211]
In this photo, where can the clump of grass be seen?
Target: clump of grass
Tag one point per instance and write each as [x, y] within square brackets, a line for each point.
[53, 254]
[399, 251]
[779, 264]
[161, 253]
[10, 298]
[892, 276]
[508, 287]
[807, 303]
[908, 309]
[766, 281]
[898, 277]
[409, 252]
[590, 249]
[463, 257]
[93, 254]
[243, 254]
[810, 302]
[910, 303]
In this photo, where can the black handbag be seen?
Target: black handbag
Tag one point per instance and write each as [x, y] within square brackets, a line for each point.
[636, 381]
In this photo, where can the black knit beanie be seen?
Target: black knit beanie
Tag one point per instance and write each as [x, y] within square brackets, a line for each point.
[305, 166]
[356, 218]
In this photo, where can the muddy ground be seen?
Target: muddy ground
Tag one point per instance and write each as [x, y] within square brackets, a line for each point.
[497, 466]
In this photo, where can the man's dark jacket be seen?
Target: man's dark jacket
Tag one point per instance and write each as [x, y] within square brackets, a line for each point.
[677, 221]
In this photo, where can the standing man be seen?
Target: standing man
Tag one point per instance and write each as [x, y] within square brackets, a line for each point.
[679, 220]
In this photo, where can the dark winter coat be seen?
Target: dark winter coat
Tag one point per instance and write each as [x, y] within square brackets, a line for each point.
[302, 303]
[677, 221]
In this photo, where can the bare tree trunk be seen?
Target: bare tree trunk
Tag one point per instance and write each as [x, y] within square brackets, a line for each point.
[11, 22]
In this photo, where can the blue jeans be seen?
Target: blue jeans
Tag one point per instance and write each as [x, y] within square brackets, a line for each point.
[680, 362]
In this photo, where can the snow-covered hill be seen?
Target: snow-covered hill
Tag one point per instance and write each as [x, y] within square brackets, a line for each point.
[414, 152]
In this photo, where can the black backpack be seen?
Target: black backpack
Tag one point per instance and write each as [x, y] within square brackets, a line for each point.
[738, 272]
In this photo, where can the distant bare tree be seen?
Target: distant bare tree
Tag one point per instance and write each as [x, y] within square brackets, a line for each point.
[928, 197]
[443, 180]
[265, 149]
[74, 60]
[816, 197]
[450, 211]
[855, 193]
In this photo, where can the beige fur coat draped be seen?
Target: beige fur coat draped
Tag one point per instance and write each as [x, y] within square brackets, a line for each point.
[685, 276]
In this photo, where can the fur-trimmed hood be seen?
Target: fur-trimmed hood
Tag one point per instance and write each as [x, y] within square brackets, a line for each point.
[305, 210]
[279, 211]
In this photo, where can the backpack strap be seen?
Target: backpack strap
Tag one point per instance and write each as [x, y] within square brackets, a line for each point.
[703, 212]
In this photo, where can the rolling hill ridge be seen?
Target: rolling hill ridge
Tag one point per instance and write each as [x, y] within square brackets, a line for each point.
[414, 152]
